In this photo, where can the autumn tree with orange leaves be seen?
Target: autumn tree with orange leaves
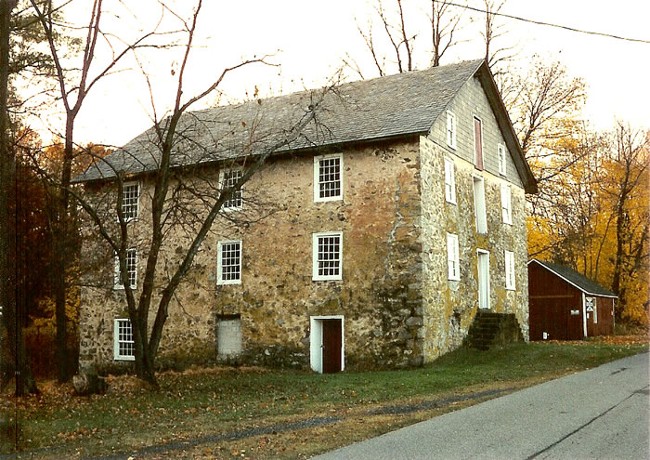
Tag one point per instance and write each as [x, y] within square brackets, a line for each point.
[594, 214]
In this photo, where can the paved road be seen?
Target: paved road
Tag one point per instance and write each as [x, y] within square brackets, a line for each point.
[598, 414]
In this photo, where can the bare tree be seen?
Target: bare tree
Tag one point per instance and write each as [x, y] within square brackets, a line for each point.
[545, 105]
[400, 42]
[74, 85]
[392, 48]
[182, 193]
[543, 97]
[445, 23]
[491, 30]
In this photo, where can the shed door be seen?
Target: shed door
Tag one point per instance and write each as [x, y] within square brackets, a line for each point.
[332, 345]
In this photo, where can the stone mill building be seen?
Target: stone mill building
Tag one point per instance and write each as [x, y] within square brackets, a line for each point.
[370, 242]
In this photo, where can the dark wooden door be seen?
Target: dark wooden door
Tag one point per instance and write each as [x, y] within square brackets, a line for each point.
[332, 345]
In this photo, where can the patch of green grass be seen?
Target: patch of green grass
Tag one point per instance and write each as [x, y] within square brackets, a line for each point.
[196, 403]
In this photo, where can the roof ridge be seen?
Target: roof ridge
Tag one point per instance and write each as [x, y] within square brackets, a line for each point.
[381, 108]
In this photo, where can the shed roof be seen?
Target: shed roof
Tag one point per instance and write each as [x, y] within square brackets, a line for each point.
[369, 110]
[576, 279]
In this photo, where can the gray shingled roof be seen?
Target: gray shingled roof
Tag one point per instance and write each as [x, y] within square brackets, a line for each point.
[381, 108]
[578, 280]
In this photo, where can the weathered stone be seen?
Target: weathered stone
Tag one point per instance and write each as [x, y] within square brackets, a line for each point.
[414, 321]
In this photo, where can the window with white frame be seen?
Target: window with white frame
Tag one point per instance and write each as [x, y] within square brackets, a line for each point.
[123, 344]
[228, 179]
[510, 270]
[327, 256]
[328, 178]
[480, 212]
[502, 158]
[478, 143]
[450, 181]
[130, 199]
[131, 270]
[451, 130]
[229, 262]
[506, 203]
[453, 257]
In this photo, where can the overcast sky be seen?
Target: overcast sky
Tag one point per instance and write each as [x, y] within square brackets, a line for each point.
[309, 38]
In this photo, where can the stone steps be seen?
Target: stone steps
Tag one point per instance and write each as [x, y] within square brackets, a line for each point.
[489, 329]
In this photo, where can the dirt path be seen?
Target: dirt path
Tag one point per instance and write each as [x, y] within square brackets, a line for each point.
[183, 447]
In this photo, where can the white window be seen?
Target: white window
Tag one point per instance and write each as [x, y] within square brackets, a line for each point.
[131, 270]
[228, 179]
[229, 262]
[130, 199]
[451, 130]
[502, 158]
[478, 143]
[483, 279]
[327, 256]
[510, 270]
[453, 259]
[479, 205]
[123, 344]
[506, 204]
[450, 181]
[328, 178]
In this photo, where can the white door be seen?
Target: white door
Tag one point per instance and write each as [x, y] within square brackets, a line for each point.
[326, 354]
[483, 279]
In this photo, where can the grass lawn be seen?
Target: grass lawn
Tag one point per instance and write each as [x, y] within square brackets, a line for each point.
[259, 413]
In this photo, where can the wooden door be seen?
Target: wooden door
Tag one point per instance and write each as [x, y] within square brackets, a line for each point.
[332, 345]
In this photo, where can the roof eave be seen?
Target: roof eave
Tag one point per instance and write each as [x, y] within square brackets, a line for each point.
[580, 288]
[287, 151]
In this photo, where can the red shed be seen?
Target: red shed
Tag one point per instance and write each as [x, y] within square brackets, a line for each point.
[565, 305]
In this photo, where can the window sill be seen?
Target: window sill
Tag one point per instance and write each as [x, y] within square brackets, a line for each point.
[327, 200]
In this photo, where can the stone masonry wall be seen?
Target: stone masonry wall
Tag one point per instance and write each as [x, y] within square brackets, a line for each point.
[450, 306]
[379, 296]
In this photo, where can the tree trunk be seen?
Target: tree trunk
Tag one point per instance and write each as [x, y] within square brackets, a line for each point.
[6, 174]
[62, 254]
[12, 355]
